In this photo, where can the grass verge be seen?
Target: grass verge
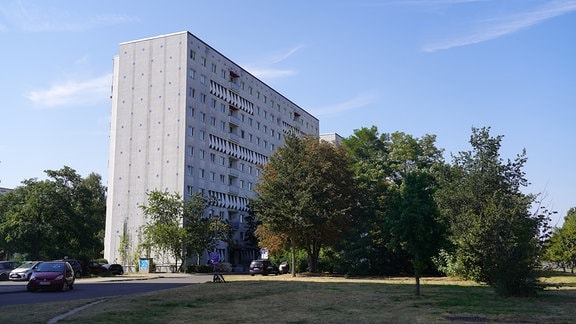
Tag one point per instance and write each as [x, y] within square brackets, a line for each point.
[318, 299]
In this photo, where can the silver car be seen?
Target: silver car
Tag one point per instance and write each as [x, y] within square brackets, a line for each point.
[24, 271]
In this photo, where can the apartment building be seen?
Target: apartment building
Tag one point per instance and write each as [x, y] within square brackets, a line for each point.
[187, 119]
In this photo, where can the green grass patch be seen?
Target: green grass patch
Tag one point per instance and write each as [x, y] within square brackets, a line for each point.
[328, 300]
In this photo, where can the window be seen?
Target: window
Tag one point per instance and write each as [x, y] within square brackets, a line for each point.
[202, 79]
[222, 160]
[203, 117]
[223, 73]
[189, 190]
[250, 185]
[190, 150]
[190, 131]
[202, 135]
[203, 98]
[203, 61]
[213, 103]
[192, 54]
[222, 178]
[222, 125]
[189, 170]
[191, 73]
[202, 154]
[212, 176]
[212, 157]
[213, 121]
[214, 68]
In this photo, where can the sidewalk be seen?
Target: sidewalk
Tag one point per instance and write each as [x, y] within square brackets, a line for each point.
[8, 287]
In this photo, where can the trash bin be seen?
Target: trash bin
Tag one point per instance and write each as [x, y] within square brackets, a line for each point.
[145, 265]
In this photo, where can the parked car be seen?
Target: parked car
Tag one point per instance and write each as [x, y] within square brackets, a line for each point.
[115, 269]
[76, 265]
[52, 275]
[5, 268]
[24, 271]
[264, 267]
[96, 267]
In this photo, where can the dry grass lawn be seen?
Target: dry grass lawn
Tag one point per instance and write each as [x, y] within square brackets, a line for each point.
[284, 299]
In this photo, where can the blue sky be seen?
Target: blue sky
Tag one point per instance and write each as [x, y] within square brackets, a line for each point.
[419, 66]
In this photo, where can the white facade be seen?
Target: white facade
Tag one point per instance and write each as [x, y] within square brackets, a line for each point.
[187, 119]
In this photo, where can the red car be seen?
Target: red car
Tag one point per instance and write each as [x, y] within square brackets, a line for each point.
[53, 275]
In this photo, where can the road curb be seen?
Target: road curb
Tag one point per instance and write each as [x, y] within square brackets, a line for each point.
[13, 289]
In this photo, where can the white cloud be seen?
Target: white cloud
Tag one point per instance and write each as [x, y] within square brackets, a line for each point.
[499, 27]
[360, 101]
[36, 18]
[265, 71]
[86, 92]
[270, 73]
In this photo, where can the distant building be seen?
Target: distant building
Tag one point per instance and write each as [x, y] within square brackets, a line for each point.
[4, 190]
[187, 119]
[332, 138]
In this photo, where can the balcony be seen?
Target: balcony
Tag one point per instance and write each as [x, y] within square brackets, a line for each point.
[233, 137]
[234, 87]
[234, 120]
[233, 190]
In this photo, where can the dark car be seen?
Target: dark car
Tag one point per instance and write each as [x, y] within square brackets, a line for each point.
[264, 267]
[5, 268]
[23, 271]
[97, 268]
[76, 265]
[52, 275]
[115, 269]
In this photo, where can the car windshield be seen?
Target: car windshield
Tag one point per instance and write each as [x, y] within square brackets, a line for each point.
[50, 267]
[26, 265]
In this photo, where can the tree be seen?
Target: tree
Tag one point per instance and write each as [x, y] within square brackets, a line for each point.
[164, 231]
[42, 219]
[176, 224]
[203, 233]
[414, 221]
[497, 240]
[381, 163]
[561, 248]
[305, 192]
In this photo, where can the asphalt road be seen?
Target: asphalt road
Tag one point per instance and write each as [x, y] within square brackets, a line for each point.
[14, 293]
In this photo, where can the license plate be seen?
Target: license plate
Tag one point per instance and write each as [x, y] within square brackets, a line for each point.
[44, 283]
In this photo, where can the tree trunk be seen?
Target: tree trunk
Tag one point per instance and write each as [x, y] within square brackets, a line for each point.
[293, 261]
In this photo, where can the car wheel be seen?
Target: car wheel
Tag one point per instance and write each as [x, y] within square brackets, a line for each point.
[3, 276]
[65, 286]
[78, 274]
[30, 289]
